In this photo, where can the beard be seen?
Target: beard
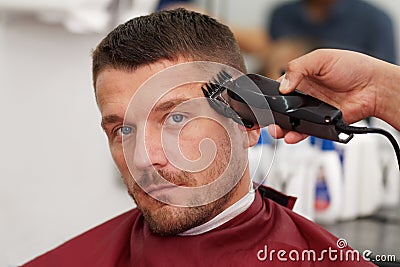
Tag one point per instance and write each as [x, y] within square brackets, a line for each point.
[170, 220]
[166, 220]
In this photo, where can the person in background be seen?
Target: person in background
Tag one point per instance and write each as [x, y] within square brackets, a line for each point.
[357, 84]
[282, 51]
[344, 24]
[244, 227]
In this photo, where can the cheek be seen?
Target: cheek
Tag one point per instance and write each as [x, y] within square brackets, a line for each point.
[119, 159]
[202, 138]
[189, 147]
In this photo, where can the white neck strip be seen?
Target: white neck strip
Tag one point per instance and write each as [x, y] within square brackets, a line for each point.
[231, 212]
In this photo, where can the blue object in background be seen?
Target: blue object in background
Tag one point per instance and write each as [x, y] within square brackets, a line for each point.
[265, 138]
[165, 3]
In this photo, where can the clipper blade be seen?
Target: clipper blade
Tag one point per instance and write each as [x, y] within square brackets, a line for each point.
[213, 91]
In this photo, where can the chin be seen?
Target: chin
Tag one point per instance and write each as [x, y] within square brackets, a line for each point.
[155, 214]
[167, 220]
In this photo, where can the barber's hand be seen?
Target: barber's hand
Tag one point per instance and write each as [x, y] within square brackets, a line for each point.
[341, 78]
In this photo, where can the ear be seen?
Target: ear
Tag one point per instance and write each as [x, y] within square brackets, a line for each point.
[253, 134]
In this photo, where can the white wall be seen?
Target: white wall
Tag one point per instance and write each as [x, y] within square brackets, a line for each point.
[57, 178]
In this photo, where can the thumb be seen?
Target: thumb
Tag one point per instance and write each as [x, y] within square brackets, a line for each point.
[289, 81]
[306, 65]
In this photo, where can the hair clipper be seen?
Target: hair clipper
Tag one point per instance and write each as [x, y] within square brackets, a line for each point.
[255, 100]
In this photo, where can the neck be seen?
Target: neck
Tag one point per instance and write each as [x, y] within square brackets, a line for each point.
[318, 11]
[241, 189]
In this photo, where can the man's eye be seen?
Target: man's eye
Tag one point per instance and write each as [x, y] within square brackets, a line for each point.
[124, 130]
[175, 118]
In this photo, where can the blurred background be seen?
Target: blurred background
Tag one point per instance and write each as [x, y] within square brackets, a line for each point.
[57, 176]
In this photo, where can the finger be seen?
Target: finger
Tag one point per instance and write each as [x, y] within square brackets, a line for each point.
[290, 137]
[294, 137]
[275, 131]
[280, 78]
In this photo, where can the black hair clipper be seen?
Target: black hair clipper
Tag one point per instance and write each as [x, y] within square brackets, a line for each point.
[254, 100]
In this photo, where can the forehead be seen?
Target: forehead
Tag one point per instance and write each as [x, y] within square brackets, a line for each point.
[115, 88]
[117, 83]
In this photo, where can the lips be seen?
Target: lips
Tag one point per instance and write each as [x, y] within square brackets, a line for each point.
[161, 189]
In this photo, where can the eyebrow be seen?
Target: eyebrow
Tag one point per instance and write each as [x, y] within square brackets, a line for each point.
[109, 119]
[167, 105]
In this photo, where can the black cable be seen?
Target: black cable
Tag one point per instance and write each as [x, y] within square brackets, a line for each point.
[347, 129]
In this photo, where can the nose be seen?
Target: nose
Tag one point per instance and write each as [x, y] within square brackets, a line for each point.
[148, 152]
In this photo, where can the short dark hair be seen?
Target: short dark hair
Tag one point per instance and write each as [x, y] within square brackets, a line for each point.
[167, 34]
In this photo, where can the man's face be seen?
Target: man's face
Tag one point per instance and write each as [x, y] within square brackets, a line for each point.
[171, 141]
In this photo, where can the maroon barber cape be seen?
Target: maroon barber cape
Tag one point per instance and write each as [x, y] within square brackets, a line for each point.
[266, 234]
